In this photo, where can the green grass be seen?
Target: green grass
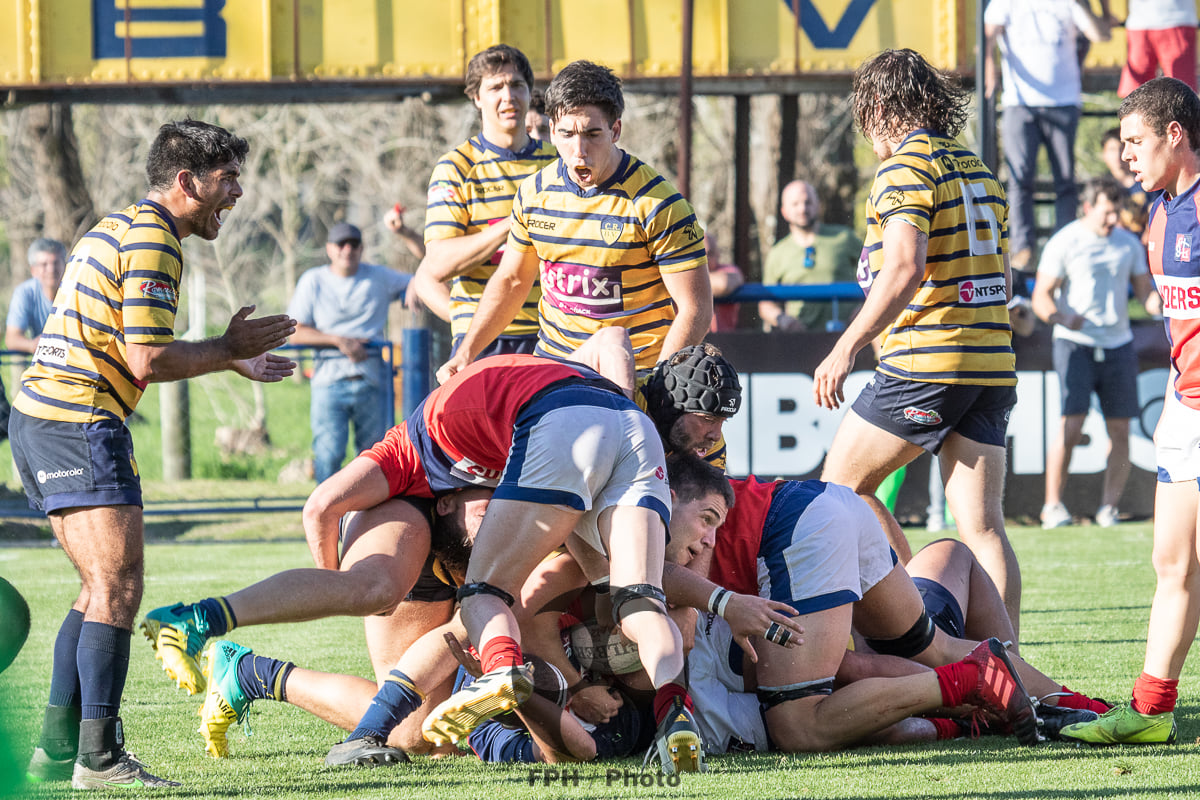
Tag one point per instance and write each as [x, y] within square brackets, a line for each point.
[1087, 595]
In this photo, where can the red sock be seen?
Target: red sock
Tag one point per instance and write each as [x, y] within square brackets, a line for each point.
[664, 696]
[500, 651]
[956, 681]
[946, 728]
[1077, 700]
[1153, 695]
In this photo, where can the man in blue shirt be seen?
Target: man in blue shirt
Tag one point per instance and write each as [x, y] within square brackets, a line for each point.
[33, 299]
[340, 307]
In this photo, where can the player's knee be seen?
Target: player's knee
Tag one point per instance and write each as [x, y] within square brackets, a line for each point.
[369, 588]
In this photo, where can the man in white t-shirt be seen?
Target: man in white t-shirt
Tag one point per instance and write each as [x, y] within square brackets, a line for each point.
[1082, 289]
[1042, 100]
[1159, 33]
[340, 308]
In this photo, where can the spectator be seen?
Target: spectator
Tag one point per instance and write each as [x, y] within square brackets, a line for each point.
[725, 279]
[1160, 125]
[614, 243]
[1042, 100]
[1159, 34]
[1135, 205]
[470, 201]
[340, 307]
[33, 299]
[413, 242]
[1082, 289]
[810, 253]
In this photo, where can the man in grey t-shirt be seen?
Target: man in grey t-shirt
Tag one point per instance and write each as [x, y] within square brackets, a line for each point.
[1082, 289]
[340, 307]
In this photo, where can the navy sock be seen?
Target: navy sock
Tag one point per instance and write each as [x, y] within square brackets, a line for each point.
[219, 616]
[64, 677]
[263, 678]
[395, 700]
[103, 661]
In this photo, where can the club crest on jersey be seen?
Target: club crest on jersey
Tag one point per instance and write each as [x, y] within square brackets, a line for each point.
[610, 229]
[1183, 247]
[160, 290]
[985, 290]
[922, 416]
[895, 198]
[441, 192]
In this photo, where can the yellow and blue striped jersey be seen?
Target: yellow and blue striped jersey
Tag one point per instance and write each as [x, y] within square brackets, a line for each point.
[603, 251]
[956, 328]
[121, 285]
[471, 188]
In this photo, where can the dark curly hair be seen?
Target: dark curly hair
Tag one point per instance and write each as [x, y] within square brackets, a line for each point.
[192, 145]
[492, 60]
[898, 91]
[582, 83]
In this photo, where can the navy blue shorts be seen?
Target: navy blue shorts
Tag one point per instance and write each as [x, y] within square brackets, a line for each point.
[502, 346]
[926, 413]
[941, 607]
[1110, 373]
[74, 464]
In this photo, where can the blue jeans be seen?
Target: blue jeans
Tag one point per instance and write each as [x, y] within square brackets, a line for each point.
[335, 407]
[1025, 129]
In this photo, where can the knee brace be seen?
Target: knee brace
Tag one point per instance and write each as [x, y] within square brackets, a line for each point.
[771, 696]
[919, 637]
[642, 594]
[469, 589]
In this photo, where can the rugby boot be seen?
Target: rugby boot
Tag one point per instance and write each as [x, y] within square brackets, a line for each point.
[224, 703]
[999, 689]
[1124, 725]
[369, 751]
[677, 742]
[502, 689]
[103, 762]
[178, 633]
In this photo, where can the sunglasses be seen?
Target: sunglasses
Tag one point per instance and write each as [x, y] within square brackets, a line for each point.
[355, 243]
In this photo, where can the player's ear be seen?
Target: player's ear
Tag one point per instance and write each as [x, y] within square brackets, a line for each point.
[616, 129]
[445, 504]
[186, 181]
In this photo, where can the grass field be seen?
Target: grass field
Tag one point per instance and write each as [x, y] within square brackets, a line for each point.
[1087, 594]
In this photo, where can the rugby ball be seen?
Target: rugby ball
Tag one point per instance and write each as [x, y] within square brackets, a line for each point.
[602, 651]
[14, 623]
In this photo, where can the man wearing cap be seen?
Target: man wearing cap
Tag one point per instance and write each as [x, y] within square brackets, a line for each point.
[339, 308]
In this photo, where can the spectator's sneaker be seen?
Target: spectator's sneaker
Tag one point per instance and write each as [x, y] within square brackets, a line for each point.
[502, 689]
[1124, 725]
[127, 773]
[1000, 690]
[1052, 719]
[368, 751]
[1055, 515]
[678, 742]
[44, 768]
[177, 634]
[225, 702]
[1107, 516]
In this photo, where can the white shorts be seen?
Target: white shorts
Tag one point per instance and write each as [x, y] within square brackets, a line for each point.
[726, 713]
[822, 547]
[1177, 442]
[588, 449]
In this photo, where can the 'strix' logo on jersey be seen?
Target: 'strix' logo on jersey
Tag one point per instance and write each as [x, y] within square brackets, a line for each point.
[984, 290]
[1183, 247]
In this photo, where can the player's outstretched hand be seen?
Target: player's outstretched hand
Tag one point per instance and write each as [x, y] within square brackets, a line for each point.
[266, 368]
[749, 615]
[246, 338]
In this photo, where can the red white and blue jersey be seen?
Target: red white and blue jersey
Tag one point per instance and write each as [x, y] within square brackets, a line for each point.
[735, 557]
[1173, 245]
[461, 433]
